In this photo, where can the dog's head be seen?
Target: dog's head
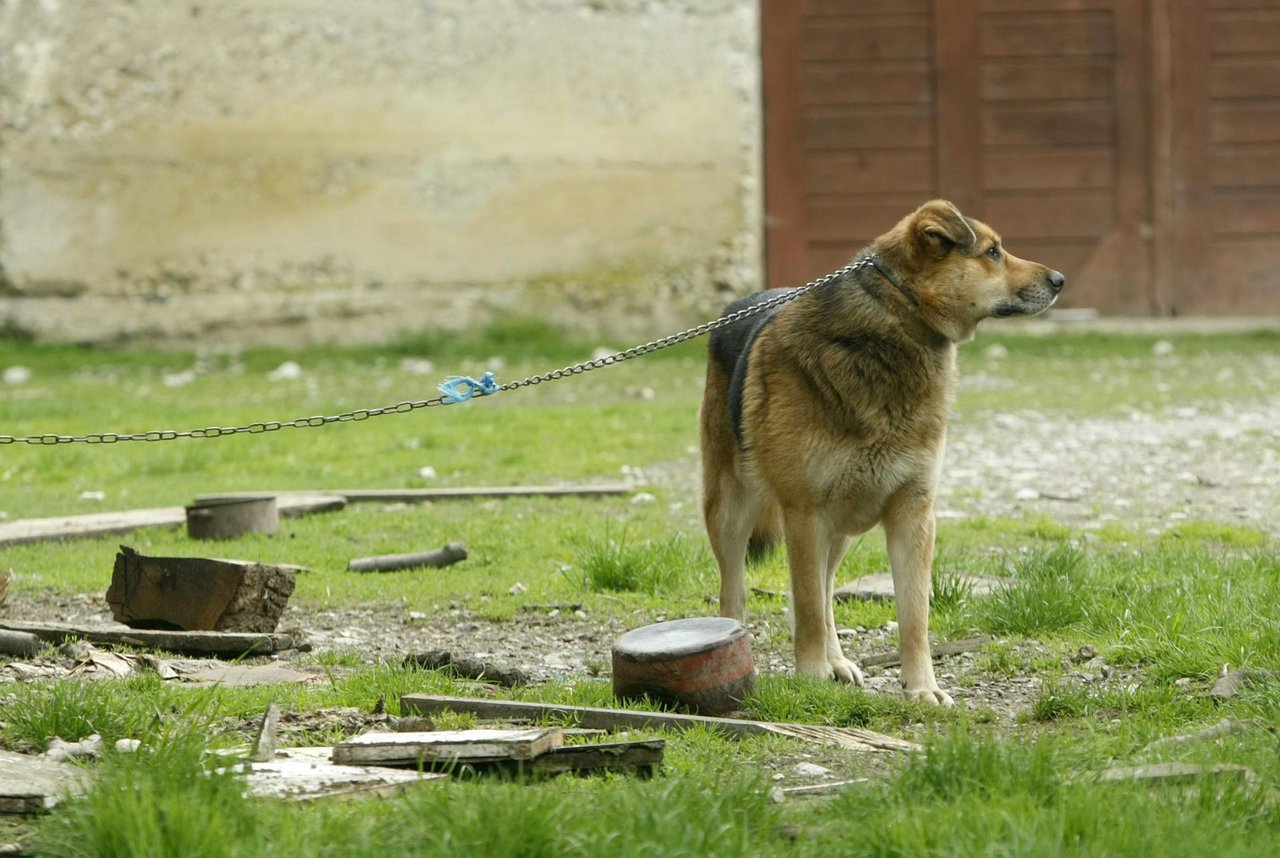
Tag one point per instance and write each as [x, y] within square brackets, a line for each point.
[960, 273]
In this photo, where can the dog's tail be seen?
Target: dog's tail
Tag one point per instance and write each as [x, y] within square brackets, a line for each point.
[766, 534]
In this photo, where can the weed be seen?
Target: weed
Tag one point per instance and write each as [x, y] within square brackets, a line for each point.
[1043, 594]
[609, 564]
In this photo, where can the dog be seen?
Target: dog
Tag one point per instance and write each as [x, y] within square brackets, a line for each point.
[827, 415]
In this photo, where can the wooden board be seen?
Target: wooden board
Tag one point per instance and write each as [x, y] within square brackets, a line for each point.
[233, 644]
[26, 530]
[639, 756]
[618, 719]
[890, 659]
[879, 587]
[30, 784]
[302, 774]
[448, 746]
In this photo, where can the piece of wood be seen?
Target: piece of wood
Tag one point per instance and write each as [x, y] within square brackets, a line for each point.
[31, 784]
[21, 644]
[458, 493]
[242, 675]
[198, 593]
[637, 756]
[447, 747]
[27, 530]
[1176, 773]
[1224, 727]
[625, 719]
[451, 553]
[264, 746]
[879, 586]
[892, 659]
[5, 575]
[307, 774]
[468, 667]
[228, 518]
[230, 644]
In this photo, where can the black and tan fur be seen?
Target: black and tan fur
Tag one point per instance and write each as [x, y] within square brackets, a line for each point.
[828, 416]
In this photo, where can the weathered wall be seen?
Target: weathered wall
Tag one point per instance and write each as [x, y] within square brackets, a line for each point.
[300, 170]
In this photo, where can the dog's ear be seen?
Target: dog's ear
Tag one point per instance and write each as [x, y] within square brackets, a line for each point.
[940, 228]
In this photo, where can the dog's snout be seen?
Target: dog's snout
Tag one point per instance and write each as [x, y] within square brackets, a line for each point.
[1056, 280]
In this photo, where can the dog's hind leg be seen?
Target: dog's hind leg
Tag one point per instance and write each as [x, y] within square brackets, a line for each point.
[909, 532]
[845, 669]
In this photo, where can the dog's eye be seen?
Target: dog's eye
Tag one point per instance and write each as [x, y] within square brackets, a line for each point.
[994, 252]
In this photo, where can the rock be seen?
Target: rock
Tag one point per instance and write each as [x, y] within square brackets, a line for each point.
[286, 371]
[88, 748]
[17, 375]
[810, 770]
[1233, 682]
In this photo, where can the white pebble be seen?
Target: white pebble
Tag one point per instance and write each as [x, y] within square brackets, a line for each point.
[642, 497]
[1026, 494]
[427, 472]
[1162, 348]
[93, 496]
[285, 372]
[995, 352]
[17, 375]
[517, 588]
[179, 379]
[810, 770]
[127, 746]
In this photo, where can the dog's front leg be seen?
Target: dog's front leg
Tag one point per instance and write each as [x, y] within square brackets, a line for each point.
[807, 552]
[909, 532]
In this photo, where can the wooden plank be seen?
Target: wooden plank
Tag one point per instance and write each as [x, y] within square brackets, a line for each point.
[1254, 77]
[621, 719]
[243, 675]
[1045, 167]
[1243, 214]
[1249, 33]
[1062, 35]
[866, 8]
[233, 644]
[1039, 79]
[880, 127]
[890, 659]
[27, 530]
[870, 172]
[959, 150]
[842, 220]
[866, 39]
[1064, 124]
[1131, 274]
[867, 83]
[307, 774]
[1005, 6]
[447, 746]
[1241, 167]
[1050, 214]
[458, 493]
[878, 586]
[30, 784]
[638, 756]
[781, 95]
[1256, 122]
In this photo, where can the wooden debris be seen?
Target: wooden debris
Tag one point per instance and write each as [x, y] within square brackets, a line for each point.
[639, 756]
[23, 531]
[879, 587]
[34, 784]
[447, 747]
[22, 644]
[625, 719]
[5, 575]
[240, 675]
[227, 518]
[197, 593]
[892, 659]
[451, 553]
[827, 788]
[468, 667]
[103, 663]
[461, 493]
[230, 644]
[1233, 682]
[264, 747]
[1224, 727]
[306, 774]
[1176, 773]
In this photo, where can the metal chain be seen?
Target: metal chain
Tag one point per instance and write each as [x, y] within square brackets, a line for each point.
[359, 414]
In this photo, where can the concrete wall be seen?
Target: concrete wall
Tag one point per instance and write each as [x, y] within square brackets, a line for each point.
[305, 170]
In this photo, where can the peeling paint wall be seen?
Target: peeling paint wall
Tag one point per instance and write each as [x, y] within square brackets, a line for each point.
[307, 170]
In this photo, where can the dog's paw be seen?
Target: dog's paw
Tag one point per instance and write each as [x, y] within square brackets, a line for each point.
[847, 671]
[929, 694]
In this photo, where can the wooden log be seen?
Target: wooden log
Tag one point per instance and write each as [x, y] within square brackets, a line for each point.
[228, 518]
[451, 553]
[228, 644]
[459, 493]
[468, 667]
[23, 644]
[447, 746]
[625, 719]
[197, 593]
[892, 659]
[27, 530]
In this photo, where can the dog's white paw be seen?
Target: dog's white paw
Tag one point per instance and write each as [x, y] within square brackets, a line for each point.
[847, 671]
[929, 694]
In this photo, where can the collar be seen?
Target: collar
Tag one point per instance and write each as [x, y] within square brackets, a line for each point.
[906, 290]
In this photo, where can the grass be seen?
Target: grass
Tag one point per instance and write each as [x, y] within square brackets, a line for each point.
[1164, 612]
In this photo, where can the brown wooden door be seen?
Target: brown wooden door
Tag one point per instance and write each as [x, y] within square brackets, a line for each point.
[1133, 144]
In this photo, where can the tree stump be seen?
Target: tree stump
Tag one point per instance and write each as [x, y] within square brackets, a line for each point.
[196, 593]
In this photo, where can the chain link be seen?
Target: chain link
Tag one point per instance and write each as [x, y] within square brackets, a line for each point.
[783, 297]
